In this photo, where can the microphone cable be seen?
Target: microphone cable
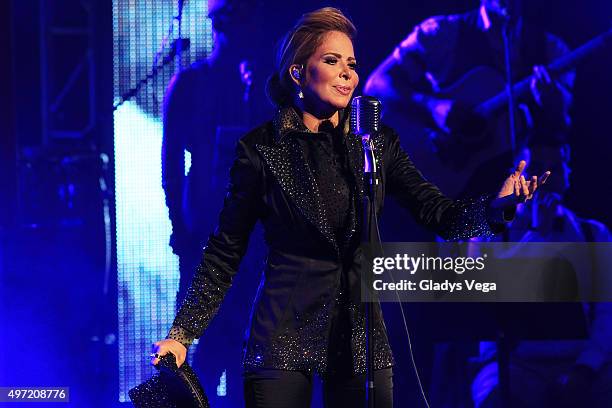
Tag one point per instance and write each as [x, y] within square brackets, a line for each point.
[399, 303]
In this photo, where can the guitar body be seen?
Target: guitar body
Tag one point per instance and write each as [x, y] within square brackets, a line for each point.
[459, 168]
[467, 165]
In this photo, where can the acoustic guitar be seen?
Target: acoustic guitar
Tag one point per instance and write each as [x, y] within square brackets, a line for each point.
[458, 168]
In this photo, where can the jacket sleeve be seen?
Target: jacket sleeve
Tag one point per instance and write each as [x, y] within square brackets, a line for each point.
[224, 250]
[452, 220]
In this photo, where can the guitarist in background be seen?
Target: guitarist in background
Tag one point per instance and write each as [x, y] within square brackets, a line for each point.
[467, 52]
[207, 107]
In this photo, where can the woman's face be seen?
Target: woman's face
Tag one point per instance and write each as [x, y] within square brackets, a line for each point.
[330, 78]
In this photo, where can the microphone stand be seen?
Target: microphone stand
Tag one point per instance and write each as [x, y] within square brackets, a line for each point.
[369, 236]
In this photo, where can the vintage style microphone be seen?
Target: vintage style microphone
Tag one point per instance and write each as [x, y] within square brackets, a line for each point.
[364, 123]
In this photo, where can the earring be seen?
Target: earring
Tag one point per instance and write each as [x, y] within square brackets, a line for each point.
[300, 94]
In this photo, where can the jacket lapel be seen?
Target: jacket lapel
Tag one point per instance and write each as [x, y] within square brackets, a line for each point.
[356, 163]
[355, 156]
[379, 145]
[286, 161]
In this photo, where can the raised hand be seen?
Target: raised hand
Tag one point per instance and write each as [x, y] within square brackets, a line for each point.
[516, 189]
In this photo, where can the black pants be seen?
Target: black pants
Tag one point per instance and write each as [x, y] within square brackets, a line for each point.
[268, 388]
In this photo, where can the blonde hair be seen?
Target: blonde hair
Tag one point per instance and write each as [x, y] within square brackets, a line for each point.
[299, 44]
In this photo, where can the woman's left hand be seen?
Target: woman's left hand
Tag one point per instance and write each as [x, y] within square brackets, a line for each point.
[516, 189]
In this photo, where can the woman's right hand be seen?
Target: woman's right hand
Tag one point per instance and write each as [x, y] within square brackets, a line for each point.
[163, 347]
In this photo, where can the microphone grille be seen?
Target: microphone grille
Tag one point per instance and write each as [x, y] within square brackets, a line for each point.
[365, 115]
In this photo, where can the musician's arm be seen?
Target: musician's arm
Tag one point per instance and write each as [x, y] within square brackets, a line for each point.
[556, 48]
[401, 82]
[177, 125]
[551, 112]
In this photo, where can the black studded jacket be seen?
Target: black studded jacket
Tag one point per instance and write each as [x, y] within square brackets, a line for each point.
[307, 309]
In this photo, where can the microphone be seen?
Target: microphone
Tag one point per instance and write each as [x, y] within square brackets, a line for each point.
[365, 115]
[365, 121]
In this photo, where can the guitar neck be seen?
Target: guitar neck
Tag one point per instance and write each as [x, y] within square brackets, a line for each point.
[558, 66]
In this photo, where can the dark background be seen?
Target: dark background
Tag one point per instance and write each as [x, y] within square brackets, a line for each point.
[43, 311]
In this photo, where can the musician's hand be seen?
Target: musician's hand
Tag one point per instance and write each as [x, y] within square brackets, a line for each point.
[516, 189]
[440, 109]
[163, 347]
[546, 92]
